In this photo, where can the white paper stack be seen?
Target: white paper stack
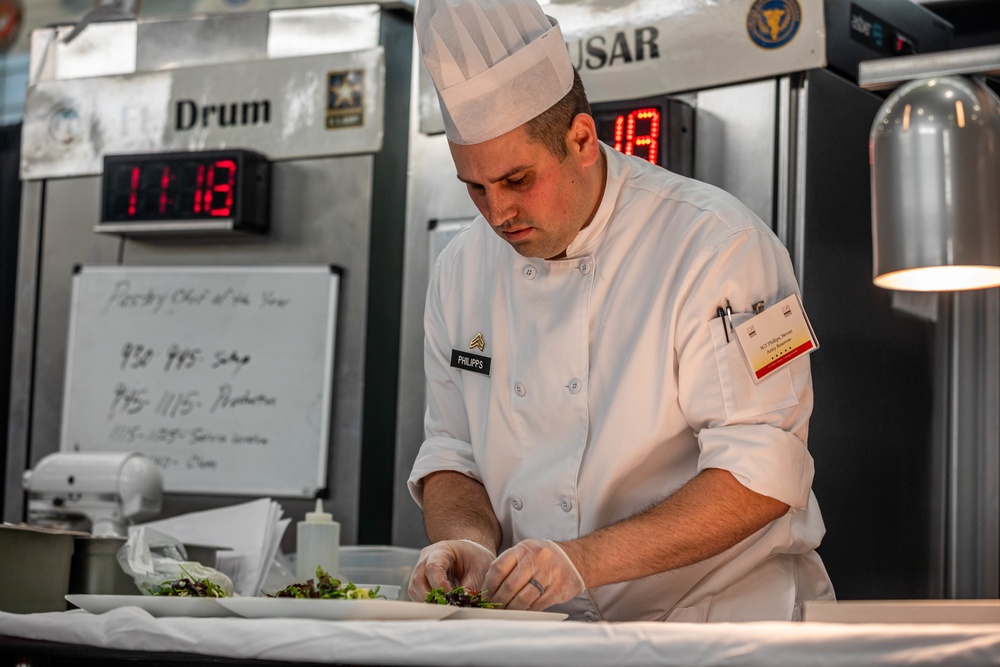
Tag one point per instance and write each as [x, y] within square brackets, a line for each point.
[251, 532]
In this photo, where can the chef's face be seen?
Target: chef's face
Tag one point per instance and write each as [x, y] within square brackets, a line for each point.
[534, 200]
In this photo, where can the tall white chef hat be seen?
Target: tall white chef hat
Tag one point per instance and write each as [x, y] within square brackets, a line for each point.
[496, 64]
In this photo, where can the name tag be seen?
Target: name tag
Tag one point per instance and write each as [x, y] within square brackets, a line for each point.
[467, 361]
[776, 336]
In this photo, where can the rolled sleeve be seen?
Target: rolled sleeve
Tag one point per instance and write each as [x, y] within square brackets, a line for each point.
[765, 459]
[437, 454]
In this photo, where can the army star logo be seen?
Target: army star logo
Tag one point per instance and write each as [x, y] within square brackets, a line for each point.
[478, 342]
[345, 99]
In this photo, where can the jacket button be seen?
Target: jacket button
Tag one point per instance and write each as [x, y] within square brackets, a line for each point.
[519, 389]
[574, 386]
[528, 272]
[566, 504]
[516, 503]
[585, 268]
[591, 616]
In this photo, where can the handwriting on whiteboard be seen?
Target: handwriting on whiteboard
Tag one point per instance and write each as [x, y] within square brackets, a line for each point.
[220, 375]
[155, 301]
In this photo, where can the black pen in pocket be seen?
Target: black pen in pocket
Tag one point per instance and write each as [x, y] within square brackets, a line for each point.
[721, 314]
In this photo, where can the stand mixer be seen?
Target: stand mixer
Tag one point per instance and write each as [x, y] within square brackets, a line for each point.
[108, 490]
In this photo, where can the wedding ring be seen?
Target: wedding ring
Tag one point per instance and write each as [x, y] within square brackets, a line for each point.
[534, 582]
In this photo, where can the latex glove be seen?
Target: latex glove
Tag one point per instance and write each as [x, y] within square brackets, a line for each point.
[448, 564]
[533, 575]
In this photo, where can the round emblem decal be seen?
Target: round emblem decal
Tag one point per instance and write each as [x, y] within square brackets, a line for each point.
[64, 126]
[773, 23]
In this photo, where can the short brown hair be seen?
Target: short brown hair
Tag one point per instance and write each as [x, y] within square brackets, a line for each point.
[549, 127]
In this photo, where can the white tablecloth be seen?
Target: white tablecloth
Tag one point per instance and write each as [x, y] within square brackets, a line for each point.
[519, 643]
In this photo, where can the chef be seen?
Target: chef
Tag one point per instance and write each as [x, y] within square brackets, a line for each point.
[595, 443]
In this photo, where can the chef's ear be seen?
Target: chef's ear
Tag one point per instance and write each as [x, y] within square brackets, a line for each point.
[581, 139]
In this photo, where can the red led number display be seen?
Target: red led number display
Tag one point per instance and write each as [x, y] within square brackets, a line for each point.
[171, 189]
[213, 191]
[638, 133]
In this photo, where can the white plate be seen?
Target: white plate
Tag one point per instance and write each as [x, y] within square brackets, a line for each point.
[485, 614]
[156, 605]
[336, 610]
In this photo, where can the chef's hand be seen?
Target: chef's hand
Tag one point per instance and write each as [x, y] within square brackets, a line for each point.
[534, 575]
[448, 564]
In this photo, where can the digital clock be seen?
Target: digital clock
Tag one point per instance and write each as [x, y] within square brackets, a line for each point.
[657, 129]
[205, 191]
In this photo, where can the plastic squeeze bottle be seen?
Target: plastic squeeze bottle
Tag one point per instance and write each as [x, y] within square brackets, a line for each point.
[317, 543]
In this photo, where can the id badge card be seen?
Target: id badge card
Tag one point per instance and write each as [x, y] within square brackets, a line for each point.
[775, 336]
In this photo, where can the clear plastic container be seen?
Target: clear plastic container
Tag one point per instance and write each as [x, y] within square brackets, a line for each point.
[384, 565]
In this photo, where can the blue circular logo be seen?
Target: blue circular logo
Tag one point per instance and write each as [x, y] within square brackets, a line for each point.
[65, 125]
[773, 23]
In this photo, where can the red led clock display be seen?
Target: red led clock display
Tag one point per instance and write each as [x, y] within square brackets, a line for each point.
[198, 189]
[638, 133]
[633, 131]
[185, 187]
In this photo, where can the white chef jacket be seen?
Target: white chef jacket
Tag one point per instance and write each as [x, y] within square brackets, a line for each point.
[611, 384]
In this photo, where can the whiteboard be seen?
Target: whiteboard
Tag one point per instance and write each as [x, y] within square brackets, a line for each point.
[221, 375]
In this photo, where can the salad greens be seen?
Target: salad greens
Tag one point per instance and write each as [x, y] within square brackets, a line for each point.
[187, 587]
[325, 587]
[459, 597]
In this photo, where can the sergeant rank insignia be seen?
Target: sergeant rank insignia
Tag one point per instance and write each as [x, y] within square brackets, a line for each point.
[467, 361]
